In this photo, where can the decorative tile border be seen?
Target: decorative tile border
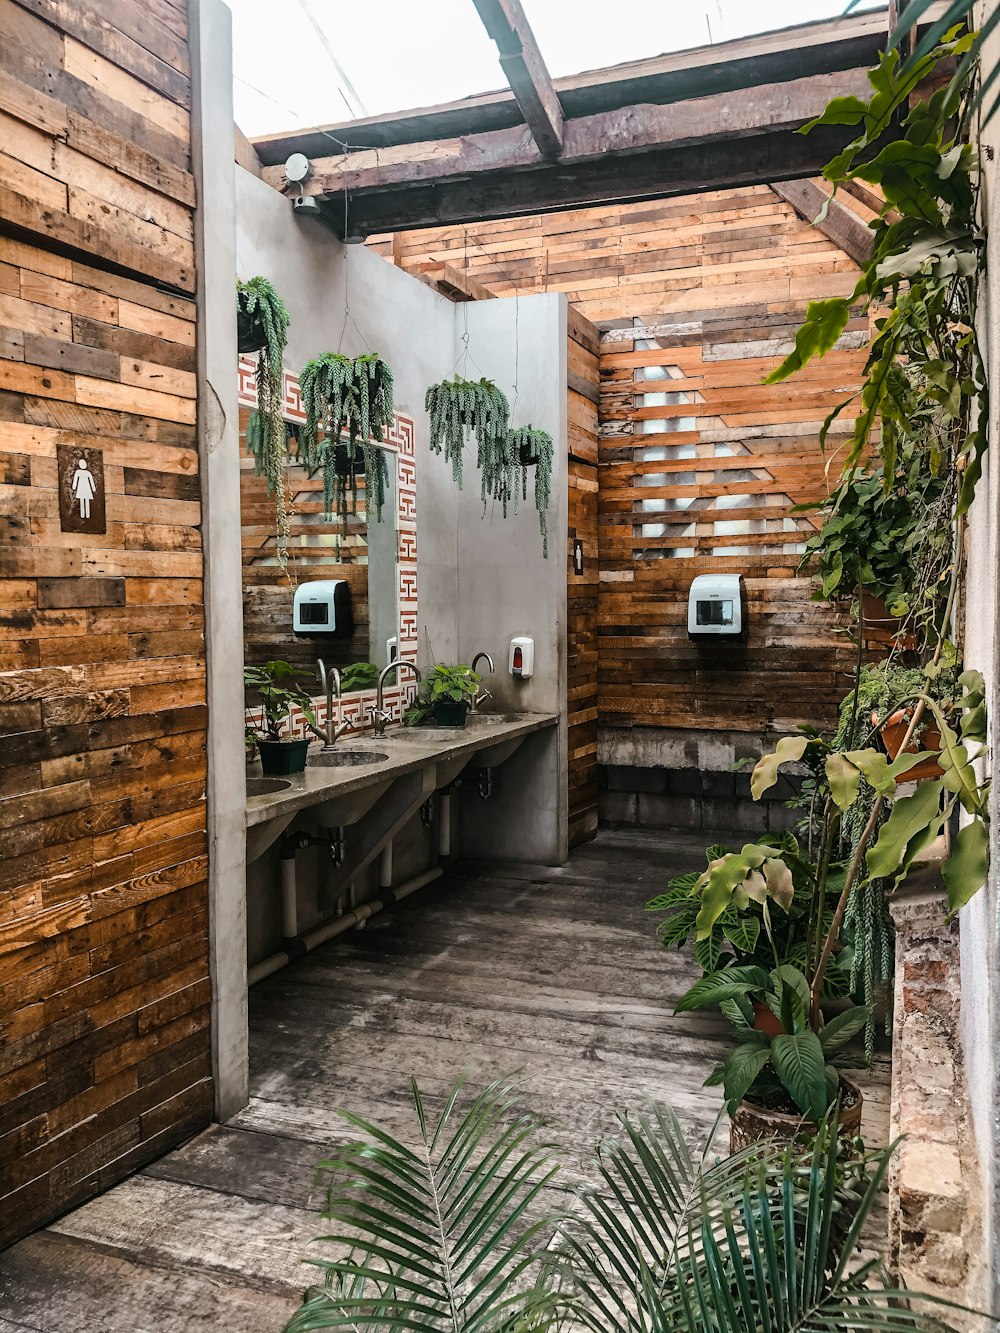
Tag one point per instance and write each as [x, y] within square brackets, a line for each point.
[399, 442]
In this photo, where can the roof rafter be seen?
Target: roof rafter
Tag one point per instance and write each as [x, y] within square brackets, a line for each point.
[524, 66]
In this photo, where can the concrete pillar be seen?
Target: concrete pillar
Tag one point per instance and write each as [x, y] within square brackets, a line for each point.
[218, 432]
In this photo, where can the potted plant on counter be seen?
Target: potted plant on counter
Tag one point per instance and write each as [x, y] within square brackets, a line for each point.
[446, 694]
[276, 685]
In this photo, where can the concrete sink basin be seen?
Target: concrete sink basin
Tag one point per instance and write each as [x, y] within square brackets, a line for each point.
[491, 719]
[347, 758]
[429, 735]
[265, 786]
[351, 806]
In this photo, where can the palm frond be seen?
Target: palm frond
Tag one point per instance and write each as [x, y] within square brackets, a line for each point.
[439, 1234]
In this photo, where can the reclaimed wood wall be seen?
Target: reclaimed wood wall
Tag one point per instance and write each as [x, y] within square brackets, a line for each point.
[268, 590]
[706, 292]
[104, 985]
[582, 587]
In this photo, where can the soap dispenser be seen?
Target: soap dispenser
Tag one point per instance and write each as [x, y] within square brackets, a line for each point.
[522, 658]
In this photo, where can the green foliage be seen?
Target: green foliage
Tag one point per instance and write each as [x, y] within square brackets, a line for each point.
[359, 676]
[460, 409]
[348, 405]
[798, 1063]
[259, 304]
[524, 443]
[438, 1233]
[452, 684]
[276, 685]
[890, 533]
[448, 1232]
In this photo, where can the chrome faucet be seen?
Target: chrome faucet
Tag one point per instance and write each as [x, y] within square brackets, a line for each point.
[485, 694]
[377, 712]
[329, 677]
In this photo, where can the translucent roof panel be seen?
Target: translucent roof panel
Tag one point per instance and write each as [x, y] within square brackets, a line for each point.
[327, 61]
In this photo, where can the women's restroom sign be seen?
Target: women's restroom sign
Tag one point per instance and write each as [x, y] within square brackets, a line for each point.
[81, 489]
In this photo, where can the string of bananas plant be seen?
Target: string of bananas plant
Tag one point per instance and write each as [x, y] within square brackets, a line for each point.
[263, 322]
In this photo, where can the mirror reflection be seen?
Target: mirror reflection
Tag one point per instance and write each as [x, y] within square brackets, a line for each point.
[337, 598]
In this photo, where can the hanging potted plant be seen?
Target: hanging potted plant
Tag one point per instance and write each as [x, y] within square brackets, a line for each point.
[534, 448]
[460, 408]
[276, 685]
[262, 327]
[348, 397]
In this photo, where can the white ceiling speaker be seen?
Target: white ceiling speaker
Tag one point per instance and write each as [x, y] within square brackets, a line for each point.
[298, 169]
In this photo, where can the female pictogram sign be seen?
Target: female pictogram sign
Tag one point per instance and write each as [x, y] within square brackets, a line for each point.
[81, 489]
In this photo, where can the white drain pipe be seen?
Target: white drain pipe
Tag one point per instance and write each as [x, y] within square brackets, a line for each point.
[303, 944]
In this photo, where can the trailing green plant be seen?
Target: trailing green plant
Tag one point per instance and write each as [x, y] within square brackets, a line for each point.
[276, 685]
[450, 1230]
[920, 288]
[534, 448]
[460, 409]
[264, 321]
[348, 405]
[893, 537]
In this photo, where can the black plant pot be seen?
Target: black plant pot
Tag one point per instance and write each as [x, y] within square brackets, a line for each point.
[282, 757]
[448, 714]
[527, 454]
[251, 335]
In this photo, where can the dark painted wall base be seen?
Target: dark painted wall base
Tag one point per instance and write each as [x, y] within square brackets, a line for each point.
[691, 798]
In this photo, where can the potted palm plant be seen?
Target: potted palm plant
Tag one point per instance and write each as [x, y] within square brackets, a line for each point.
[262, 327]
[277, 689]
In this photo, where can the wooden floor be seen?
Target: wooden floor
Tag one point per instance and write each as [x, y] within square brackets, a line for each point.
[555, 973]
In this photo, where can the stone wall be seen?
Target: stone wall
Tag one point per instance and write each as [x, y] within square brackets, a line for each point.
[935, 1223]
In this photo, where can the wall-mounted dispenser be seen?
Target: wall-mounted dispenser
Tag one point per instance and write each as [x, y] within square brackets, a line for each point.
[715, 606]
[522, 658]
[322, 609]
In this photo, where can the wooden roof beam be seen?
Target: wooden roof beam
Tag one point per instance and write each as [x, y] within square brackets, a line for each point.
[840, 225]
[522, 63]
[620, 136]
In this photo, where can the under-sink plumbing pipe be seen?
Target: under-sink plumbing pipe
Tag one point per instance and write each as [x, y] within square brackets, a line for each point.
[290, 845]
[444, 823]
[303, 944]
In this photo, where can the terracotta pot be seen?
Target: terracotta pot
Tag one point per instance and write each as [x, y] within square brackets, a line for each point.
[764, 1020]
[893, 732]
[881, 625]
[752, 1123]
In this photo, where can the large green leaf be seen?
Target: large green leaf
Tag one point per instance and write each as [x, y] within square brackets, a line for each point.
[912, 815]
[825, 321]
[839, 1031]
[730, 983]
[789, 750]
[741, 1069]
[965, 871]
[799, 1063]
[743, 933]
[844, 779]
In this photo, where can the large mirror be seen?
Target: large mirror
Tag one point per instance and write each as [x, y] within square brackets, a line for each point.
[356, 556]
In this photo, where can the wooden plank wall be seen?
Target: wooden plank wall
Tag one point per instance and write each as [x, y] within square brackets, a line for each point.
[104, 986]
[582, 589]
[718, 283]
[268, 592]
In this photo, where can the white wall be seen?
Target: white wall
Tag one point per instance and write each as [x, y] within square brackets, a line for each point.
[979, 928]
